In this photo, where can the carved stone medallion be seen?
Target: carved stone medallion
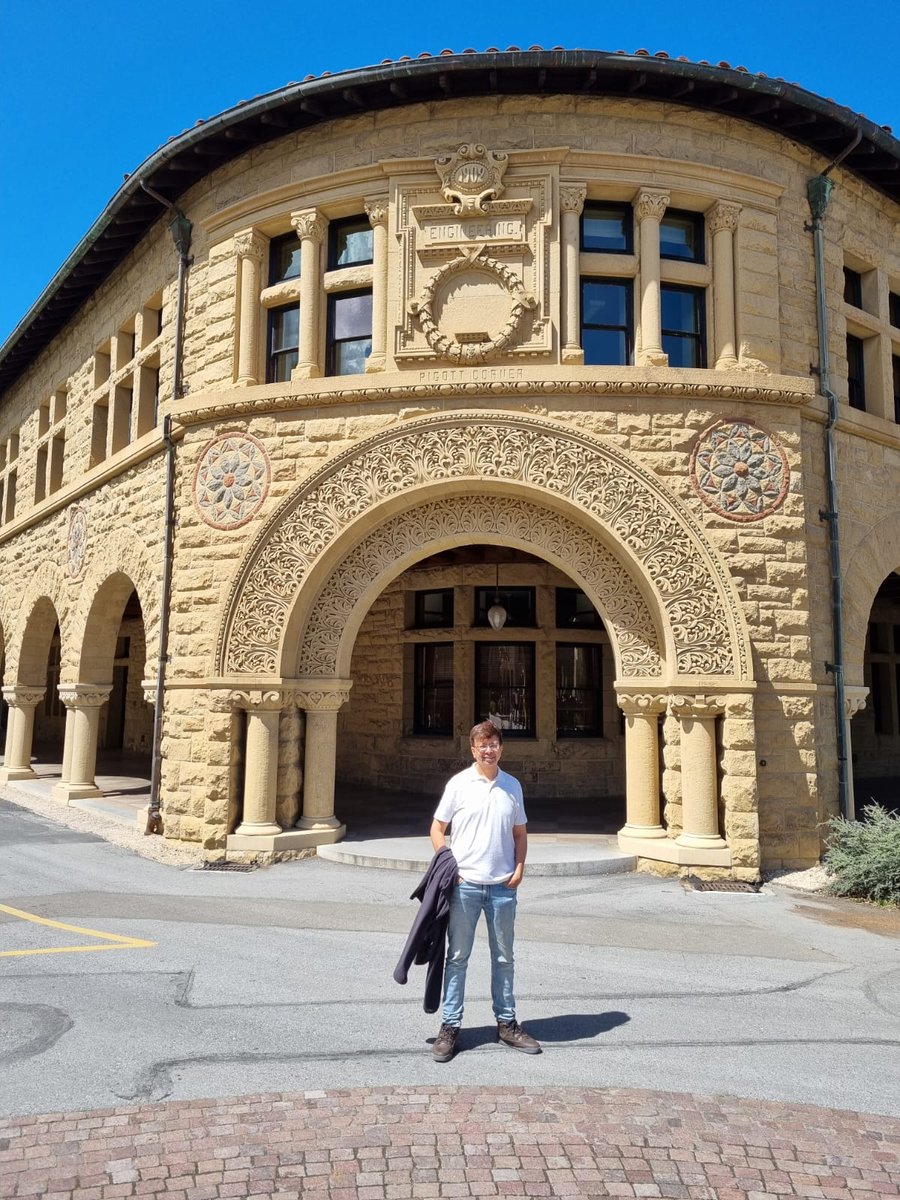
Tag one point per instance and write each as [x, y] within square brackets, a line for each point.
[739, 471]
[76, 542]
[471, 176]
[231, 481]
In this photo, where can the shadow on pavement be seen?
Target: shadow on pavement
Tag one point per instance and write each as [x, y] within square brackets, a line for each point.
[570, 1027]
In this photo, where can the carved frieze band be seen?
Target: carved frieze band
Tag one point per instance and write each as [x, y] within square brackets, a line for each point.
[629, 620]
[700, 603]
[326, 696]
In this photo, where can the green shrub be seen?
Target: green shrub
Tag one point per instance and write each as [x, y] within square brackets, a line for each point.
[863, 857]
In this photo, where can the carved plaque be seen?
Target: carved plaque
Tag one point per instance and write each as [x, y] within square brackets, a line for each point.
[471, 176]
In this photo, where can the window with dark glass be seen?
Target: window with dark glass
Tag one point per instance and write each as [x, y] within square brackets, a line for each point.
[681, 236]
[284, 258]
[683, 325]
[853, 287]
[579, 680]
[284, 343]
[433, 701]
[519, 603]
[895, 373]
[856, 373]
[894, 309]
[607, 228]
[504, 686]
[350, 243]
[349, 332]
[433, 609]
[575, 611]
[607, 322]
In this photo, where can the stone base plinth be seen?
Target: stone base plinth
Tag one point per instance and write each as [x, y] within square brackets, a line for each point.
[291, 839]
[11, 774]
[65, 793]
[668, 850]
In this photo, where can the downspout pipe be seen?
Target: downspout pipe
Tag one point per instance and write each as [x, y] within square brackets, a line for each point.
[819, 191]
[181, 229]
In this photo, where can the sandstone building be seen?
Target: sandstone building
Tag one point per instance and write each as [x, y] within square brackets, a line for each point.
[558, 386]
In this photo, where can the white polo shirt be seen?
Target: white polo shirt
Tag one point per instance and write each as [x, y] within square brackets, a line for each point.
[483, 812]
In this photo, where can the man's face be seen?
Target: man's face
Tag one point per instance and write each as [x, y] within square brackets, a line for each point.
[487, 751]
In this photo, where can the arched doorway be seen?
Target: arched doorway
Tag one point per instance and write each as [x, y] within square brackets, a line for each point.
[32, 697]
[876, 727]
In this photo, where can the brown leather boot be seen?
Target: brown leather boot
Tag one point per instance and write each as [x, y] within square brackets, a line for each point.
[444, 1046]
[512, 1034]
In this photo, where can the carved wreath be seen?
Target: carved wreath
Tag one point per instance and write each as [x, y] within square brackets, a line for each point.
[448, 347]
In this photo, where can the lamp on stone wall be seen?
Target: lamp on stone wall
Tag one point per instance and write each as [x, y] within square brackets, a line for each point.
[497, 614]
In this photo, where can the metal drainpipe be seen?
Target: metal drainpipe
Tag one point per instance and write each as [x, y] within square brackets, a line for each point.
[818, 192]
[180, 228]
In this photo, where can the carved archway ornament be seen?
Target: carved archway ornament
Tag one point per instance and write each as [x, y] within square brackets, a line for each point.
[425, 309]
[696, 603]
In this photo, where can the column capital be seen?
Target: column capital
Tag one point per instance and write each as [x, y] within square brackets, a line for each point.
[723, 215]
[376, 210]
[323, 695]
[854, 700]
[641, 704]
[651, 203]
[696, 705]
[250, 243]
[259, 699]
[84, 695]
[310, 225]
[21, 695]
[572, 197]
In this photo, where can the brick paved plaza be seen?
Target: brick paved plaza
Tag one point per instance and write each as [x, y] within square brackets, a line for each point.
[394, 1143]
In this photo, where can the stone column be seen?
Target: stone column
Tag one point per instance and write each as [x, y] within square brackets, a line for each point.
[854, 702]
[642, 765]
[650, 207]
[83, 702]
[699, 770]
[22, 700]
[377, 211]
[722, 220]
[321, 705]
[571, 204]
[263, 709]
[311, 228]
[250, 247]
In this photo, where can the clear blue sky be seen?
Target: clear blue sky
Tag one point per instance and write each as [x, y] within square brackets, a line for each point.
[88, 90]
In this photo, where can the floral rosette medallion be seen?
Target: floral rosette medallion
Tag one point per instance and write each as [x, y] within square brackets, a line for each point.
[76, 543]
[739, 471]
[231, 481]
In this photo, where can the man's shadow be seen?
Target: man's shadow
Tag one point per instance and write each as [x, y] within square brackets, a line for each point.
[569, 1027]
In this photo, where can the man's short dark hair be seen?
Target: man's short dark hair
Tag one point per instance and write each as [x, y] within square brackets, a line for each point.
[484, 731]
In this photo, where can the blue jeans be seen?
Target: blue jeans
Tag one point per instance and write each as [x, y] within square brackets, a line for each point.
[498, 903]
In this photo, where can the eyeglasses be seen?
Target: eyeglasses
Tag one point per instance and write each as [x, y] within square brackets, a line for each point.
[488, 746]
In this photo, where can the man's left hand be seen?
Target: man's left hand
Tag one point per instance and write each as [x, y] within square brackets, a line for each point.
[516, 878]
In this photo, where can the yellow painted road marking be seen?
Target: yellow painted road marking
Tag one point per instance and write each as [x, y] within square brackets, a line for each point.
[112, 941]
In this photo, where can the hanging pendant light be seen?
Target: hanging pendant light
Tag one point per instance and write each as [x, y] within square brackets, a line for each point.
[497, 613]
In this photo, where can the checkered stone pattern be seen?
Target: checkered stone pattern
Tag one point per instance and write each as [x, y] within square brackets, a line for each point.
[399, 1143]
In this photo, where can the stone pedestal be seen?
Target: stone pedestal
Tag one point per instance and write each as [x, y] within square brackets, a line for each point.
[22, 700]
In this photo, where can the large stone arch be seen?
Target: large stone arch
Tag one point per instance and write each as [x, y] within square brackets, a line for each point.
[43, 605]
[870, 564]
[329, 538]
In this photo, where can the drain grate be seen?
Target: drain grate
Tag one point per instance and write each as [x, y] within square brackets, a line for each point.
[721, 885]
[227, 866]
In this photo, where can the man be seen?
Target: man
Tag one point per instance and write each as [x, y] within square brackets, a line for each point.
[490, 841]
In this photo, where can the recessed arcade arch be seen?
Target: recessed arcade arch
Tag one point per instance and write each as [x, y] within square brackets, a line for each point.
[322, 537]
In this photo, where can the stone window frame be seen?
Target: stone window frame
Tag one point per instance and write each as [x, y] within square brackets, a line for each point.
[870, 322]
[9, 470]
[50, 447]
[125, 382]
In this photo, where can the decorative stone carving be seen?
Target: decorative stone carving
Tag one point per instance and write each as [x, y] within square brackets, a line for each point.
[739, 471]
[723, 215]
[471, 177]
[309, 224]
[483, 349]
[652, 204]
[626, 613]
[572, 197]
[642, 704]
[695, 592]
[84, 695]
[376, 210]
[76, 542]
[701, 706]
[258, 699]
[20, 695]
[323, 698]
[231, 481]
[250, 243]
[854, 700]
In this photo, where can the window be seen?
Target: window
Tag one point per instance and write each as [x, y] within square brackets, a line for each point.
[895, 372]
[519, 603]
[894, 309]
[853, 287]
[681, 236]
[433, 701]
[284, 258]
[433, 609]
[856, 373]
[683, 325]
[574, 609]
[884, 663]
[579, 677]
[607, 322]
[9, 455]
[350, 243]
[607, 228]
[284, 343]
[349, 332]
[504, 686]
